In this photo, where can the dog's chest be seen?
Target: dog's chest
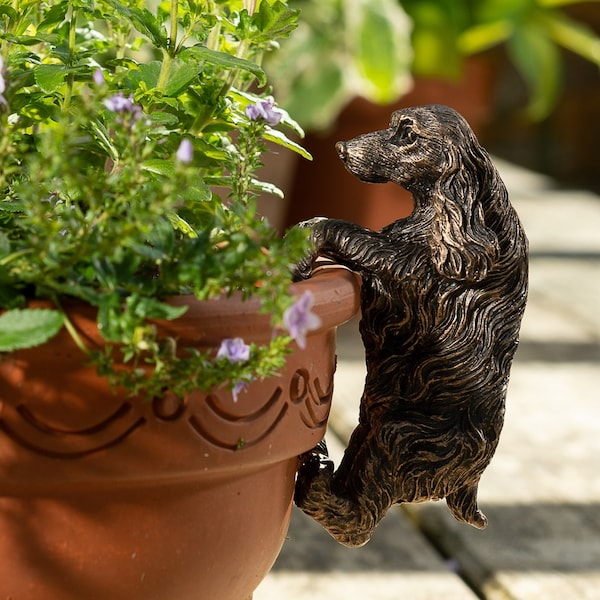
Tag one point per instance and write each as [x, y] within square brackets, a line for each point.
[390, 308]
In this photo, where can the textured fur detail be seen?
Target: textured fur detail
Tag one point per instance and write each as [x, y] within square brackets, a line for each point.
[443, 294]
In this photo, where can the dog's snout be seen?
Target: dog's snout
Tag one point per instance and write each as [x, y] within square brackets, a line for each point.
[342, 150]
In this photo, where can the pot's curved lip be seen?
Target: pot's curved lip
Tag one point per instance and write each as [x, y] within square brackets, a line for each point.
[336, 300]
[335, 289]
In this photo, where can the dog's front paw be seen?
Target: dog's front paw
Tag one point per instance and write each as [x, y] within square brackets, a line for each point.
[314, 477]
[303, 269]
[312, 223]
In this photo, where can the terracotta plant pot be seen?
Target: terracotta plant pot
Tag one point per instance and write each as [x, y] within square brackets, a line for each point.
[107, 496]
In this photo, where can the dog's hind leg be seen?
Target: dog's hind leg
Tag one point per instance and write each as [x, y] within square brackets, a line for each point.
[463, 505]
[350, 502]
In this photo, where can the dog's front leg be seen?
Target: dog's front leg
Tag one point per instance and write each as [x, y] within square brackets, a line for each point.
[353, 246]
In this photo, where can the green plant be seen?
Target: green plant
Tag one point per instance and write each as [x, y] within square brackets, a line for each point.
[348, 48]
[532, 31]
[117, 121]
[342, 49]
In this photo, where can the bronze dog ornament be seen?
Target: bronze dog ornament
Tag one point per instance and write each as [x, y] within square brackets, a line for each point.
[443, 293]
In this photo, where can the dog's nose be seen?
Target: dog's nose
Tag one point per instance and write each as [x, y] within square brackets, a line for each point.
[342, 150]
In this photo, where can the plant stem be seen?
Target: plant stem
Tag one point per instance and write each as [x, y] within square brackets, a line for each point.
[174, 23]
[70, 79]
[212, 41]
[8, 259]
[75, 335]
[171, 49]
[70, 327]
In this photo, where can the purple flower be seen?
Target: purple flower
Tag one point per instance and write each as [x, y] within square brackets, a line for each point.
[240, 386]
[264, 109]
[185, 152]
[234, 350]
[299, 319]
[121, 104]
[99, 77]
[2, 83]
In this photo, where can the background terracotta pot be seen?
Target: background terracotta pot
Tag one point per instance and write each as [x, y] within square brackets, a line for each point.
[106, 496]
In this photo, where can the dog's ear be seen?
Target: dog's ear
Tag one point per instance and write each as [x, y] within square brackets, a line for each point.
[462, 246]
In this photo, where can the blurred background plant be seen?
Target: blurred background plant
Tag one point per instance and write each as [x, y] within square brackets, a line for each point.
[373, 49]
[343, 49]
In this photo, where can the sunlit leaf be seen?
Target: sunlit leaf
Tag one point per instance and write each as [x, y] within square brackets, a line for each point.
[144, 21]
[226, 61]
[50, 77]
[279, 138]
[24, 328]
[538, 62]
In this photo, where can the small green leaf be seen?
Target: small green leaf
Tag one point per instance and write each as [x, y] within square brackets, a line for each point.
[265, 186]
[275, 136]
[226, 61]
[155, 309]
[182, 225]
[11, 206]
[218, 181]
[50, 77]
[180, 76]
[30, 40]
[274, 21]
[146, 73]
[159, 166]
[163, 118]
[10, 12]
[103, 138]
[145, 22]
[54, 16]
[28, 327]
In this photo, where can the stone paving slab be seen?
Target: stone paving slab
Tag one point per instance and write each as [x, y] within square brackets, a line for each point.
[361, 585]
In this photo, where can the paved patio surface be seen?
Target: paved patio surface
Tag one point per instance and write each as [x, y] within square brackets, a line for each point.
[542, 491]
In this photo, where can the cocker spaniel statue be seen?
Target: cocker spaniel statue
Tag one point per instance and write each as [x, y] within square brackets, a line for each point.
[443, 293]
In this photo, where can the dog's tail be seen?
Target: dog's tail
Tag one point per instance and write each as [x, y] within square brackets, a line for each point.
[463, 505]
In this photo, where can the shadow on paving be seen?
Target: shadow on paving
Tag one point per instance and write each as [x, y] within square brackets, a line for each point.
[537, 537]
[395, 546]
[540, 537]
[557, 352]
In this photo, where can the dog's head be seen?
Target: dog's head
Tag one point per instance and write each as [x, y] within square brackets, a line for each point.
[432, 152]
[416, 149]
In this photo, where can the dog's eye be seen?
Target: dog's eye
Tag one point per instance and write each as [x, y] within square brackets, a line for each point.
[404, 135]
[410, 134]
